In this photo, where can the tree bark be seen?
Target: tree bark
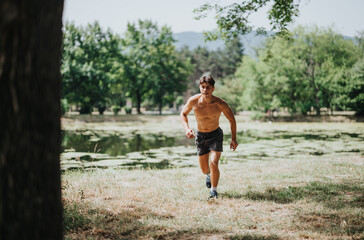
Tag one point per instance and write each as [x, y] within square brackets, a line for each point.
[160, 106]
[139, 101]
[30, 54]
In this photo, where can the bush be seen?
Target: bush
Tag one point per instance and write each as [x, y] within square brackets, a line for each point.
[256, 115]
[116, 109]
[64, 106]
[127, 110]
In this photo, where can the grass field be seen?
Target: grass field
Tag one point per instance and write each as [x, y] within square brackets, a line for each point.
[315, 197]
[291, 197]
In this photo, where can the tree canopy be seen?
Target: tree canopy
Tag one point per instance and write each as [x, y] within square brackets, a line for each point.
[101, 69]
[314, 68]
[151, 65]
[90, 64]
[308, 68]
[233, 20]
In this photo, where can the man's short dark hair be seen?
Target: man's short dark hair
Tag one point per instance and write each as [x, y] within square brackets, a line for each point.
[207, 79]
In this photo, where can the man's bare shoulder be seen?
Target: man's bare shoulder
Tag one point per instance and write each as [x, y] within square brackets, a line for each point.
[219, 100]
[194, 99]
[220, 103]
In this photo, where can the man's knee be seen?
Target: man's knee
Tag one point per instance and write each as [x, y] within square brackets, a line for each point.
[214, 159]
[205, 170]
[214, 163]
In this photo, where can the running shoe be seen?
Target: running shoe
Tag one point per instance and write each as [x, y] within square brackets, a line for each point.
[208, 181]
[213, 195]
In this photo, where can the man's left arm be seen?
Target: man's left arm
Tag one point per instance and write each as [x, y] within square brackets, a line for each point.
[230, 116]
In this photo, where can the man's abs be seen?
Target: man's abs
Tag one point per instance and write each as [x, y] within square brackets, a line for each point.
[207, 124]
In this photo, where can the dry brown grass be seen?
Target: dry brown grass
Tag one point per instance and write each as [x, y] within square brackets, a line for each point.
[323, 199]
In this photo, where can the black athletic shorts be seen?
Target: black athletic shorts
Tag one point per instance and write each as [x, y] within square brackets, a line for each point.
[209, 141]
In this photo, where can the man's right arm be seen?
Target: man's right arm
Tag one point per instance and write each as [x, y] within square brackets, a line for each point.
[183, 117]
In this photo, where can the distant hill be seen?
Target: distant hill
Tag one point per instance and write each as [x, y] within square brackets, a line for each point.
[195, 39]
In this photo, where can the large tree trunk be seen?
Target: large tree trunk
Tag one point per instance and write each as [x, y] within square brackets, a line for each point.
[30, 184]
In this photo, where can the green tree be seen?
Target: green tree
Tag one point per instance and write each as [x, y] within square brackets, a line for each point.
[137, 43]
[152, 68]
[186, 55]
[350, 86]
[359, 39]
[90, 65]
[322, 52]
[256, 83]
[201, 59]
[230, 90]
[233, 20]
[355, 88]
[169, 71]
[220, 63]
[232, 56]
[297, 73]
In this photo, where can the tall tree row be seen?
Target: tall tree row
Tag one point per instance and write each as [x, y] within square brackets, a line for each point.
[314, 68]
[101, 69]
[308, 68]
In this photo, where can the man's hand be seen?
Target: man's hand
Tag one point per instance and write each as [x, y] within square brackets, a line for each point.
[190, 133]
[233, 145]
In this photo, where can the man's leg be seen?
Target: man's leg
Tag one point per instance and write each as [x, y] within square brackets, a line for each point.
[204, 163]
[214, 166]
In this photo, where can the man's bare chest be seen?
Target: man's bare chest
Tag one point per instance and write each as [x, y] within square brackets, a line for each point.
[206, 109]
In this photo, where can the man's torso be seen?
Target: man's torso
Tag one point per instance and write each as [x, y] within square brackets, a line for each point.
[207, 113]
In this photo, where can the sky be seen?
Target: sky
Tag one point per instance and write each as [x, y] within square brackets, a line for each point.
[344, 16]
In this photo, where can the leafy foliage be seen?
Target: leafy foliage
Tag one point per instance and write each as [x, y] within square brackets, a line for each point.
[100, 69]
[308, 70]
[233, 20]
[221, 63]
[90, 65]
[352, 88]
[151, 65]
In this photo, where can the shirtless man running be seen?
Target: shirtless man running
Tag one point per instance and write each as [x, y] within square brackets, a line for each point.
[209, 137]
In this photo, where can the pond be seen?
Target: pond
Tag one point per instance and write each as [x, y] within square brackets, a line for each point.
[90, 149]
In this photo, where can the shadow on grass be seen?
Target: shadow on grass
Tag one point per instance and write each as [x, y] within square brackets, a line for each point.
[232, 194]
[81, 221]
[253, 237]
[333, 195]
[333, 224]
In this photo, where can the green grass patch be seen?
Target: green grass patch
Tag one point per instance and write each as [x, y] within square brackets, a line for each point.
[232, 194]
[74, 218]
[334, 195]
[285, 195]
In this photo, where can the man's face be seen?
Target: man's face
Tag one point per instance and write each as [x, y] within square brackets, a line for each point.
[206, 89]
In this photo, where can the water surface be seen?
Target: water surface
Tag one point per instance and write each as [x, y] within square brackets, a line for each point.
[89, 149]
